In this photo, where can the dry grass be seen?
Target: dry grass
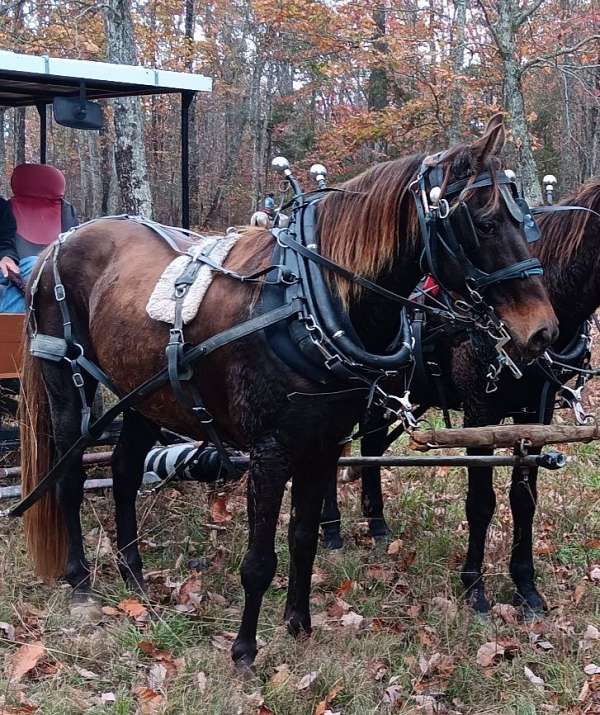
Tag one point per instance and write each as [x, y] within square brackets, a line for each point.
[417, 645]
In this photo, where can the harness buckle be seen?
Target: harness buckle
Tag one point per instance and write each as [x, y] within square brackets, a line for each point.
[203, 415]
[78, 380]
[176, 336]
[59, 292]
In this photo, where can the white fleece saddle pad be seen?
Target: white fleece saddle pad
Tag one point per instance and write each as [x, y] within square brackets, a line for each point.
[161, 305]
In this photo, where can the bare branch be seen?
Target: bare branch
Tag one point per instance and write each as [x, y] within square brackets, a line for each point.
[528, 11]
[489, 23]
[558, 53]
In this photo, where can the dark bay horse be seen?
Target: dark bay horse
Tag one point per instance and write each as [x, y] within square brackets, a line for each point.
[568, 250]
[109, 268]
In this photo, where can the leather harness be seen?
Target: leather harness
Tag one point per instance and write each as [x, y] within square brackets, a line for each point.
[301, 316]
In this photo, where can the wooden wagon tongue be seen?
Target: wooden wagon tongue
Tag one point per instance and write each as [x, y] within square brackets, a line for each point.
[503, 436]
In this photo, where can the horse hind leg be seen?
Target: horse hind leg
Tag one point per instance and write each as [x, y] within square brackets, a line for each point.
[136, 438]
[65, 411]
[309, 483]
[331, 517]
[269, 471]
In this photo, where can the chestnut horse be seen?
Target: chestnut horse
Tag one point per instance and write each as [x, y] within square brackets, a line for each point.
[109, 268]
[568, 250]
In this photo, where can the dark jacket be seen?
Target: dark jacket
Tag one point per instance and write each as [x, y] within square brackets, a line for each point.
[8, 232]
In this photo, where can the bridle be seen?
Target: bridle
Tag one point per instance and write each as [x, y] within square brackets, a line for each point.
[448, 231]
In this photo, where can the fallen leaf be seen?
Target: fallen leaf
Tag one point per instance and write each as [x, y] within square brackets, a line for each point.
[323, 706]
[201, 681]
[110, 611]
[533, 678]
[427, 704]
[545, 550]
[445, 606]
[281, 676]
[506, 613]
[378, 670]
[8, 630]
[307, 680]
[149, 701]
[190, 592]
[23, 660]
[395, 547]
[489, 654]
[591, 635]
[218, 510]
[87, 674]
[222, 641]
[344, 588]
[592, 669]
[392, 695]
[595, 573]
[592, 544]
[157, 676]
[108, 697]
[318, 576]
[134, 609]
[264, 710]
[352, 620]
[579, 592]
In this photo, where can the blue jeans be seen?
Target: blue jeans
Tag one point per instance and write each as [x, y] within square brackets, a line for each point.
[11, 298]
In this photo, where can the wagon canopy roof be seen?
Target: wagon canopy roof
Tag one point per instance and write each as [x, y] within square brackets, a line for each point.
[29, 80]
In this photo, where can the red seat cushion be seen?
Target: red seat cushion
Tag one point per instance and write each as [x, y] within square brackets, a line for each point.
[38, 191]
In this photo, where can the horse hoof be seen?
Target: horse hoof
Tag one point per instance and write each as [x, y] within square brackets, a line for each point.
[533, 606]
[380, 531]
[298, 626]
[136, 585]
[85, 608]
[244, 668]
[333, 541]
[478, 602]
[243, 654]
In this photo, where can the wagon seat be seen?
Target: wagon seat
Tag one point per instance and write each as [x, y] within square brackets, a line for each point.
[39, 207]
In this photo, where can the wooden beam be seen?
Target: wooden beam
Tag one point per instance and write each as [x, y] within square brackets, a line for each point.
[502, 436]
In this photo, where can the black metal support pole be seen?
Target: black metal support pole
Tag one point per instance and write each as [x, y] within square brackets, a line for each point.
[186, 100]
[43, 132]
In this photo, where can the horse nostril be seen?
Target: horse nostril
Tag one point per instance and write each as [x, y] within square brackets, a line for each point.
[542, 339]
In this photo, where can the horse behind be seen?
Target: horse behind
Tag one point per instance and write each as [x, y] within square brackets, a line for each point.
[568, 250]
[108, 270]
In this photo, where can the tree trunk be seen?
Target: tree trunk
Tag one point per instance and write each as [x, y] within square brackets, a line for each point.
[19, 135]
[457, 55]
[504, 31]
[130, 152]
[3, 172]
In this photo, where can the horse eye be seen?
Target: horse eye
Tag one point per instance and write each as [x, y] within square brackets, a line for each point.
[486, 228]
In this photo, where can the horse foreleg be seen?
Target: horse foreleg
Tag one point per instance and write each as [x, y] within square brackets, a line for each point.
[480, 507]
[269, 471]
[523, 501]
[135, 440]
[309, 483]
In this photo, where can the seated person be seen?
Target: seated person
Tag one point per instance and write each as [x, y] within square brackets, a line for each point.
[10, 273]
[39, 213]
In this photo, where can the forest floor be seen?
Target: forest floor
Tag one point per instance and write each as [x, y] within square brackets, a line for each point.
[391, 633]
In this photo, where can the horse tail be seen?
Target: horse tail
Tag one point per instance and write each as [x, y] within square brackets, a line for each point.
[44, 525]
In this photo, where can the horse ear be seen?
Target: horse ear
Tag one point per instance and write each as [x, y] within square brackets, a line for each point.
[493, 139]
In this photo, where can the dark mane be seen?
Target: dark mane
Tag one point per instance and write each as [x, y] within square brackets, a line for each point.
[364, 231]
[563, 231]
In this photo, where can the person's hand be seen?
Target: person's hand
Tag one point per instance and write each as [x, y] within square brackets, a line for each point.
[8, 265]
